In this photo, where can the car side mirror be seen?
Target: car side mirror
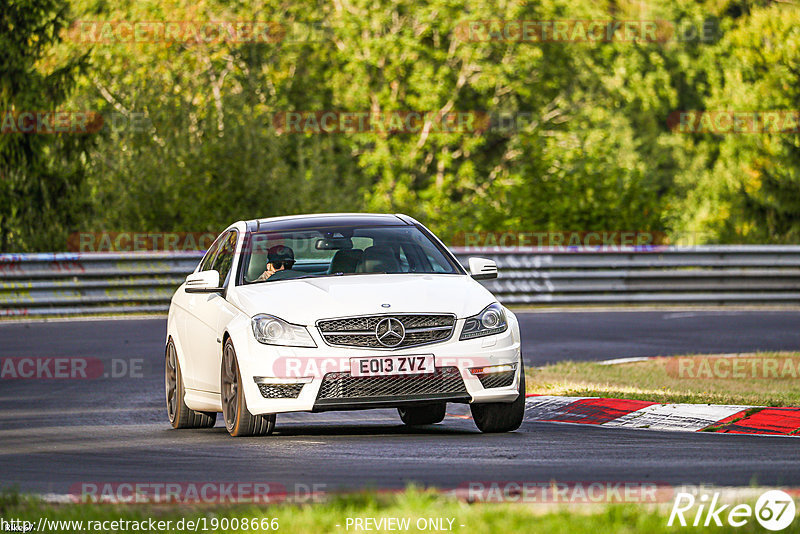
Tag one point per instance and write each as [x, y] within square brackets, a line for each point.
[482, 269]
[203, 282]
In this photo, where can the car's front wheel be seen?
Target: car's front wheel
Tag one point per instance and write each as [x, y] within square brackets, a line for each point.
[238, 419]
[423, 415]
[501, 416]
[180, 415]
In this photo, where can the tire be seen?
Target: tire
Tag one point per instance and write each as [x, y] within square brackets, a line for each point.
[422, 415]
[501, 416]
[180, 415]
[238, 419]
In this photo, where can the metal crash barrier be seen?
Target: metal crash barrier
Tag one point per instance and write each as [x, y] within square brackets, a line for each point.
[143, 282]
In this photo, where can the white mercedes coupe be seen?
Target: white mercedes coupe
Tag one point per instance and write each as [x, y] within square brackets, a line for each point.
[339, 312]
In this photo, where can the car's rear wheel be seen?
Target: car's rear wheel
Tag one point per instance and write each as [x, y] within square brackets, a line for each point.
[501, 416]
[423, 415]
[238, 419]
[180, 415]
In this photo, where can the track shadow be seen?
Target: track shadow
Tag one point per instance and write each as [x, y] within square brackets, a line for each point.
[308, 430]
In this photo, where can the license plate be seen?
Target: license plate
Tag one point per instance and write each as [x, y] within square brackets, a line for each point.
[392, 365]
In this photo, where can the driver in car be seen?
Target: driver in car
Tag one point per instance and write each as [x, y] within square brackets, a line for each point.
[280, 260]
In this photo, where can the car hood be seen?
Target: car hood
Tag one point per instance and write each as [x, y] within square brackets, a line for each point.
[306, 301]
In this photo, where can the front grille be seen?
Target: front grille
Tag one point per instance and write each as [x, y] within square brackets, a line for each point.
[280, 391]
[497, 380]
[343, 386]
[361, 331]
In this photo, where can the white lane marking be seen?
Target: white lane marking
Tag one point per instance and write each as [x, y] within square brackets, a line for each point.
[635, 359]
[706, 313]
[679, 315]
[616, 361]
[686, 417]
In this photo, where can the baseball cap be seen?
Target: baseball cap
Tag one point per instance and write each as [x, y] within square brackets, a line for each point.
[279, 254]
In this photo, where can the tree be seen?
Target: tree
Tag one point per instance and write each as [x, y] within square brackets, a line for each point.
[41, 174]
[758, 173]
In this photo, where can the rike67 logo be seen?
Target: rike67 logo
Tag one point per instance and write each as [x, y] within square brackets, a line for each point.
[774, 510]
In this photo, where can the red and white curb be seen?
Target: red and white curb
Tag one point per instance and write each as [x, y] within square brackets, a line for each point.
[623, 413]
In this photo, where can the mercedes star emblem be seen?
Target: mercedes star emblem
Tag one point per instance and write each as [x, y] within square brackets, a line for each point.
[390, 332]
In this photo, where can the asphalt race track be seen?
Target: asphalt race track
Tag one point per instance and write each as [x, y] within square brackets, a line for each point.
[551, 337]
[55, 434]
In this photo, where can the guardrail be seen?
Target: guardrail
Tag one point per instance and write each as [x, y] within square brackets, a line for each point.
[91, 283]
[699, 275]
[112, 283]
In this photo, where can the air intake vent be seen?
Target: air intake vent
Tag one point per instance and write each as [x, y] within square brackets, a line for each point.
[280, 391]
[497, 380]
[446, 380]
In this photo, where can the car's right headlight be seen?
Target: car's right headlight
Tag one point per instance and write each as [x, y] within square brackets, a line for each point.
[272, 330]
[492, 320]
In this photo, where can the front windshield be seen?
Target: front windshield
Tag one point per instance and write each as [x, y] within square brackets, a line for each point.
[271, 256]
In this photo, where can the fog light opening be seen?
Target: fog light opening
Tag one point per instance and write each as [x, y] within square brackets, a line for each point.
[504, 368]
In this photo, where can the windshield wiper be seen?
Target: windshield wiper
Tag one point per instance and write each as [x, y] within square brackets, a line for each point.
[352, 274]
[304, 277]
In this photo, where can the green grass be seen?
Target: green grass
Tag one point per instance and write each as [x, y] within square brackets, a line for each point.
[331, 516]
[657, 380]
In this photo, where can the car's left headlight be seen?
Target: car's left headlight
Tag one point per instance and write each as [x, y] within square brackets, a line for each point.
[271, 330]
[492, 320]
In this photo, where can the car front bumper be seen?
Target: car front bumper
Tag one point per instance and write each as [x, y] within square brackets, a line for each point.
[320, 377]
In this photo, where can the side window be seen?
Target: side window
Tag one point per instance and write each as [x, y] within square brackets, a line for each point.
[206, 262]
[224, 259]
[415, 258]
[435, 265]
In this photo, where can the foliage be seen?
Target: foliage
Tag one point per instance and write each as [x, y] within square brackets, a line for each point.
[41, 176]
[190, 141]
[757, 176]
